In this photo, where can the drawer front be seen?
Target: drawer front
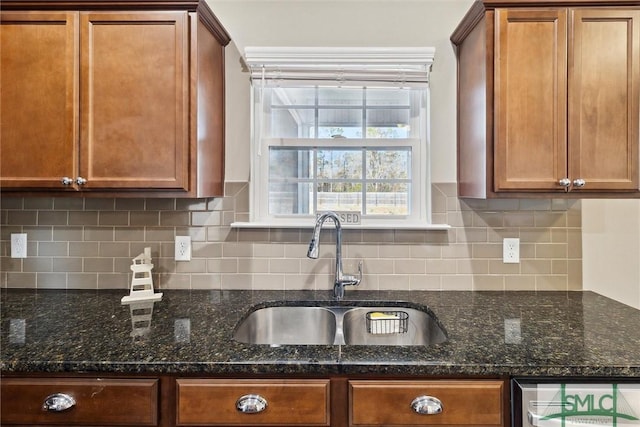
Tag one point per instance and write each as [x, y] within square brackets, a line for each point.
[289, 402]
[474, 403]
[109, 401]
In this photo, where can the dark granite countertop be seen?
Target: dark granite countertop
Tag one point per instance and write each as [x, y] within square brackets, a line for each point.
[561, 334]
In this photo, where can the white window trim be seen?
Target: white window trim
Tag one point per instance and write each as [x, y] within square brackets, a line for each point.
[382, 65]
[310, 223]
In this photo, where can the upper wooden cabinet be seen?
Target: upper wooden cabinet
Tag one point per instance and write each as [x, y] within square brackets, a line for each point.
[548, 99]
[112, 101]
[39, 71]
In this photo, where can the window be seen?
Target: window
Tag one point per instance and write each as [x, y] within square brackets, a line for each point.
[329, 139]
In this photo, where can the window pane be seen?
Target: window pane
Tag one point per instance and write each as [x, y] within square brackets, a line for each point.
[297, 96]
[340, 96]
[292, 123]
[387, 199]
[339, 132]
[290, 198]
[388, 123]
[339, 164]
[388, 164]
[389, 96]
[339, 196]
[290, 163]
[335, 123]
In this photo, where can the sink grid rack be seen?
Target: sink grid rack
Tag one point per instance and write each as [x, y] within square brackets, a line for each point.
[387, 322]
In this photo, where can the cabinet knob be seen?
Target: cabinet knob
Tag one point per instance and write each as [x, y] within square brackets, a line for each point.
[66, 180]
[81, 181]
[426, 405]
[251, 404]
[579, 182]
[564, 182]
[58, 402]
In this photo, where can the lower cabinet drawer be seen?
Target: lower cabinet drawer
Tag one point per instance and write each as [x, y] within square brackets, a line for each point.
[390, 403]
[95, 401]
[288, 402]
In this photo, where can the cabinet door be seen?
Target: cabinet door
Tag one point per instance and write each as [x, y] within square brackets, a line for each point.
[287, 402]
[39, 79]
[530, 148]
[604, 79]
[96, 401]
[391, 403]
[134, 100]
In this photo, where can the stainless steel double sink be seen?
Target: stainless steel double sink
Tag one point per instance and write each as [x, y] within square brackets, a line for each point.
[344, 323]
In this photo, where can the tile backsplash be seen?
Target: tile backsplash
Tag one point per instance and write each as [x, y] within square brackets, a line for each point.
[88, 243]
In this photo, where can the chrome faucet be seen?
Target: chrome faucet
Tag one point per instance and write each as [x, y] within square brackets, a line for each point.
[341, 279]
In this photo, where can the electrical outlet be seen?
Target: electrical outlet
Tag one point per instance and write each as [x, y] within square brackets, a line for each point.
[18, 245]
[511, 250]
[183, 248]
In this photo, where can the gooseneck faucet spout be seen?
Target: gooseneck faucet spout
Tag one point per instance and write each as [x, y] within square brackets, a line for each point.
[341, 279]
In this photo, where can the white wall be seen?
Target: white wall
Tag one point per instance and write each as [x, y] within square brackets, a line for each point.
[237, 118]
[611, 249]
[375, 23]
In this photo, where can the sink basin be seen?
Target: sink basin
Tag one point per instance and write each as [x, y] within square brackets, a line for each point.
[420, 328]
[288, 325]
[340, 323]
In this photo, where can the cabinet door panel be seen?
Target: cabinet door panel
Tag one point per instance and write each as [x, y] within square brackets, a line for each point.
[289, 402]
[530, 99]
[98, 401]
[604, 98]
[389, 403]
[39, 75]
[134, 100]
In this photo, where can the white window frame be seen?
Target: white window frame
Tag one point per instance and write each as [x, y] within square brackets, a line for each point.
[374, 67]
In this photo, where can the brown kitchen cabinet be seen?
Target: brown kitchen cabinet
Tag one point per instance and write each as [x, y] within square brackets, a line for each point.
[548, 99]
[113, 100]
[168, 400]
[341, 402]
[426, 403]
[39, 68]
[277, 402]
[79, 401]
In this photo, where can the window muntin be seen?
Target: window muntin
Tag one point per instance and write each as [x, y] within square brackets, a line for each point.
[354, 148]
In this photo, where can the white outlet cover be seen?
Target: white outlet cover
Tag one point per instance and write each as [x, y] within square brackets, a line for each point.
[183, 248]
[511, 250]
[18, 245]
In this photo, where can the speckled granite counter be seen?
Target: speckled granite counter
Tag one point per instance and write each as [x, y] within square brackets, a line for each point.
[562, 334]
